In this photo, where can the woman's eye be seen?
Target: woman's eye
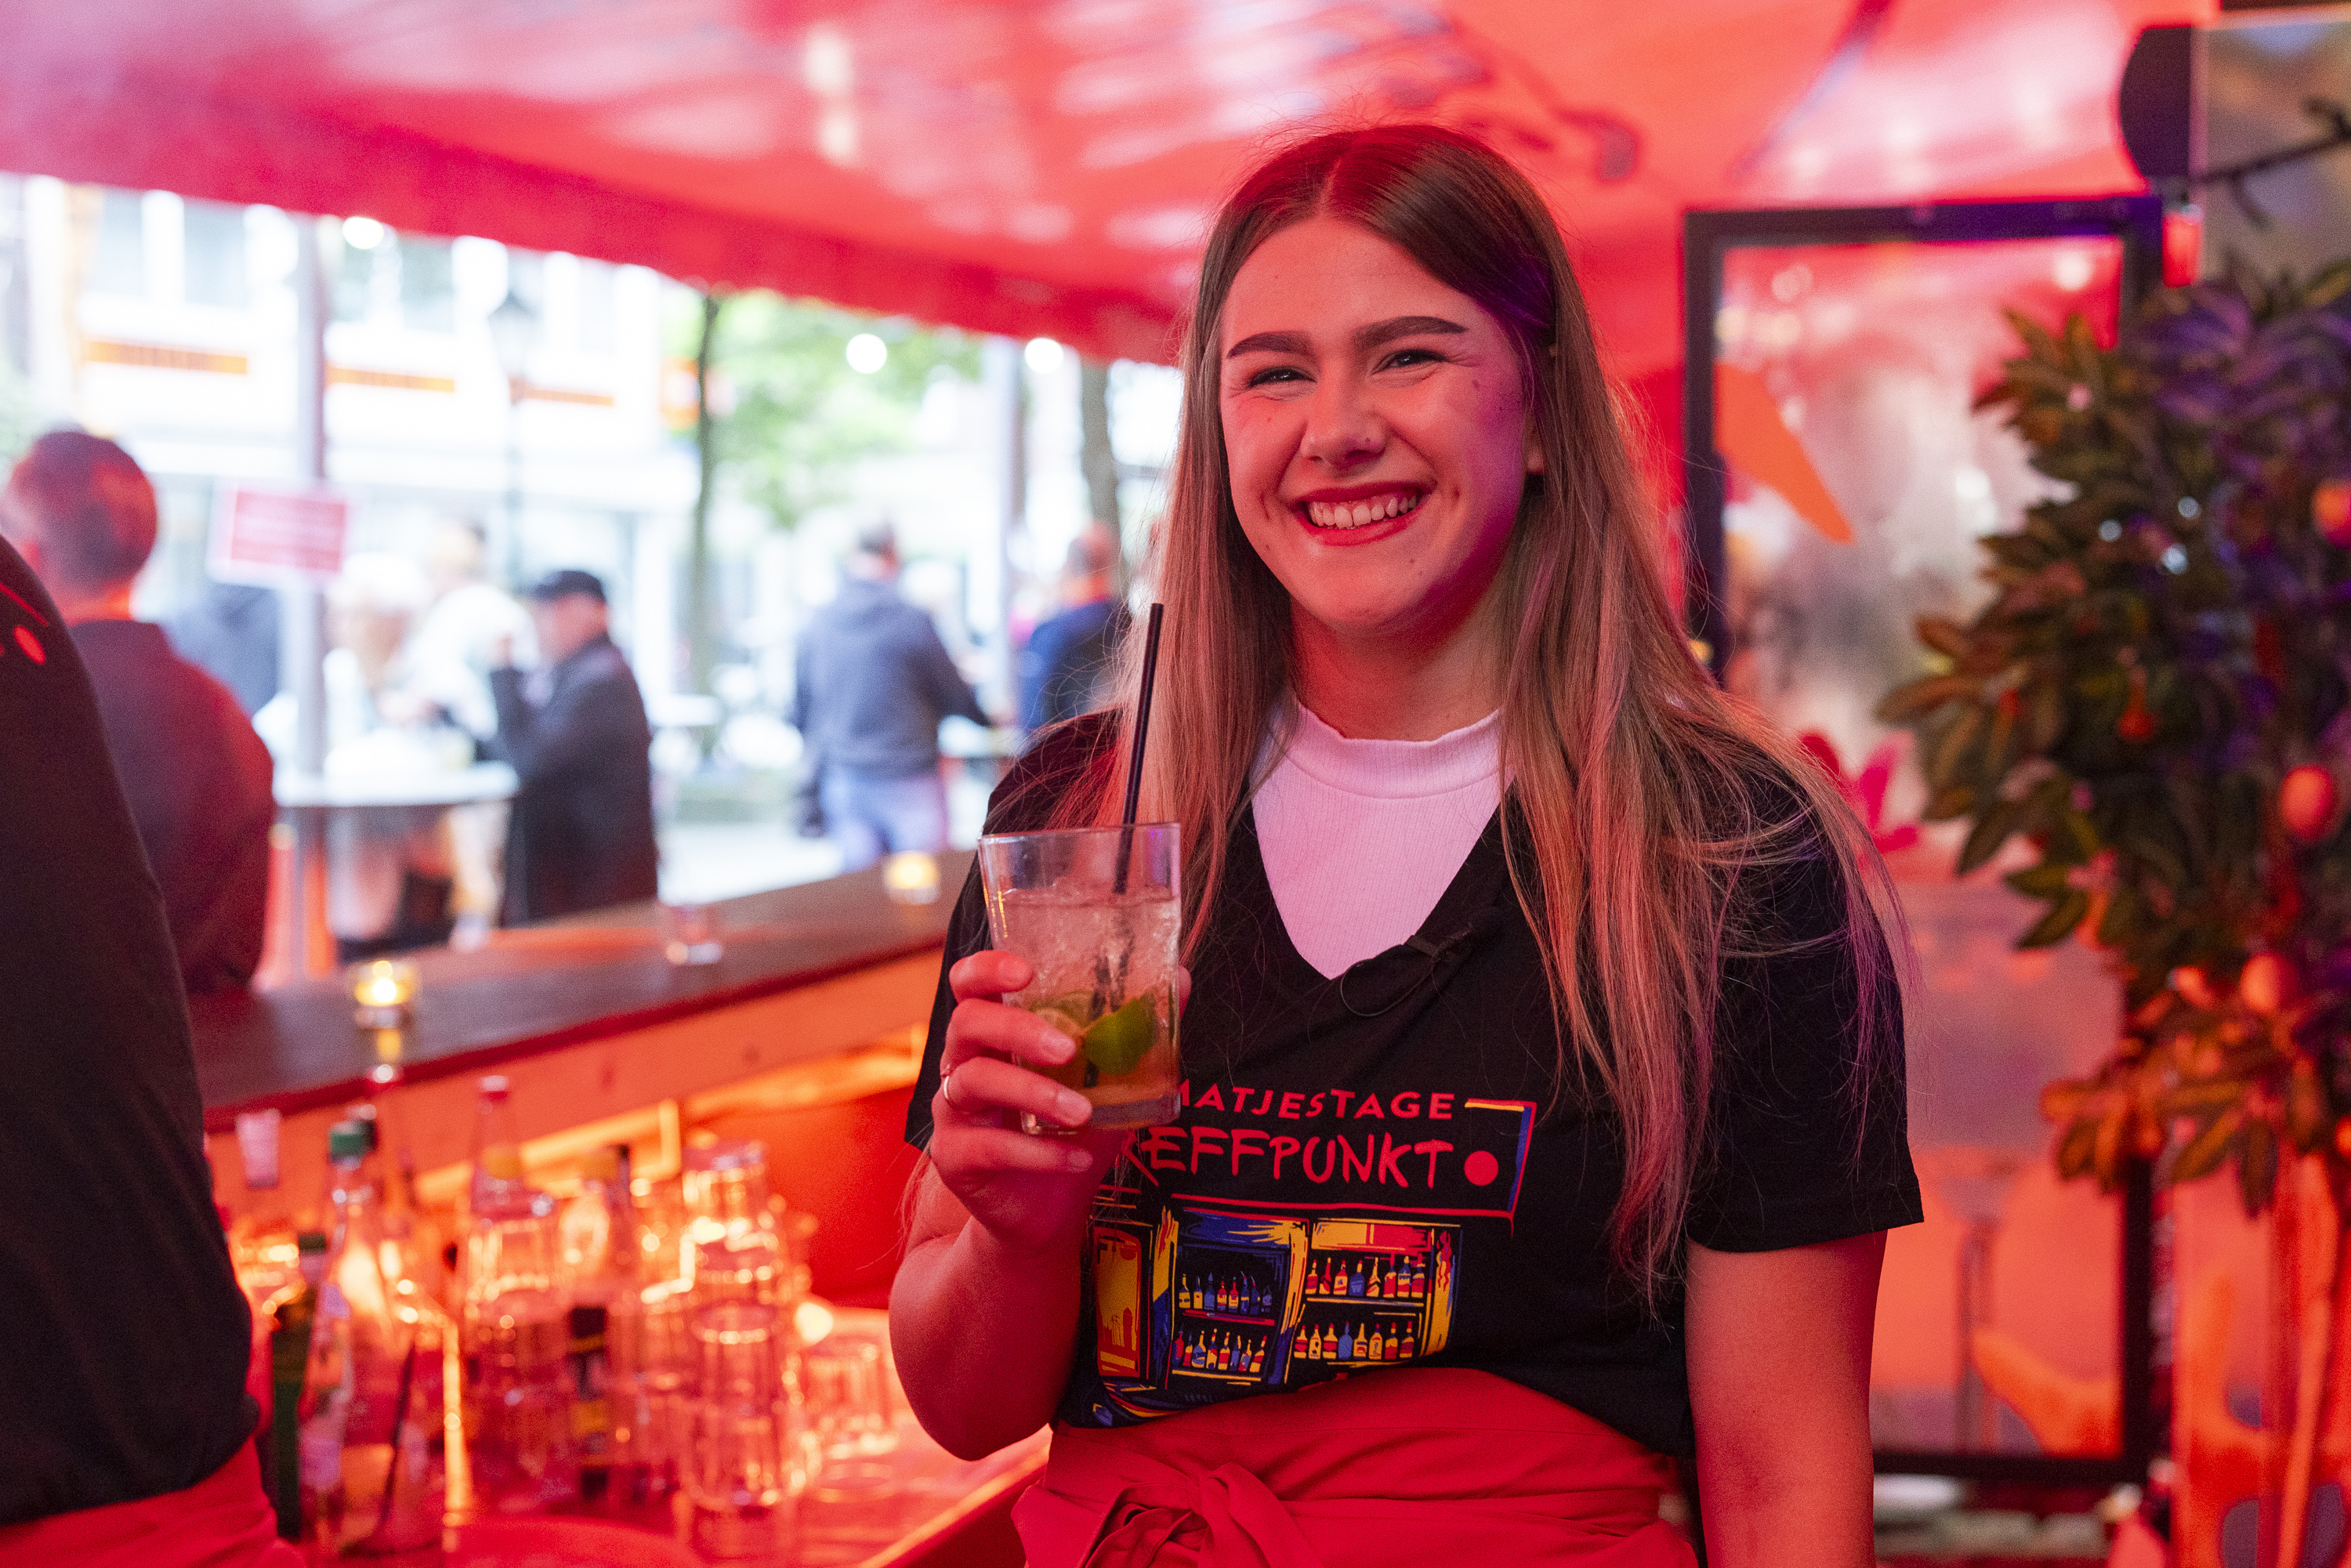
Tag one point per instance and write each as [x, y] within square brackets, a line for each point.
[1405, 359]
[1272, 374]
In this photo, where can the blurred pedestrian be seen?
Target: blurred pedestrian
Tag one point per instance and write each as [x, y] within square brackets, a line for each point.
[574, 731]
[1064, 666]
[198, 779]
[231, 632]
[391, 875]
[873, 681]
[125, 1423]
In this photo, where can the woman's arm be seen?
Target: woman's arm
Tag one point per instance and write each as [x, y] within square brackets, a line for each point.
[984, 1308]
[1779, 1375]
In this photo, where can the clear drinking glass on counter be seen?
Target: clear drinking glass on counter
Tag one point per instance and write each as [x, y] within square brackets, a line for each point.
[737, 1250]
[518, 1395]
[742, 1482]
[690, 933]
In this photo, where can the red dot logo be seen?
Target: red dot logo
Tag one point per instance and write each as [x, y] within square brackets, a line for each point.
[32, 645]
[1481, 1169]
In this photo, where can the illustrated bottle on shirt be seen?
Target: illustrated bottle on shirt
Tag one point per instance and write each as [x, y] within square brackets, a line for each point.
[1355, 1279]
[292, 1312]
[1410, 1348]
[1346, 1344]
[1379, 1343]
[369, 1482]
[498, 1151]
[1372, 1286]
[1257, 1357]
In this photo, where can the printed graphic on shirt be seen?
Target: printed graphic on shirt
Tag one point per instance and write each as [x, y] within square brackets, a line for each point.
[1271, 1239]
[27, 642]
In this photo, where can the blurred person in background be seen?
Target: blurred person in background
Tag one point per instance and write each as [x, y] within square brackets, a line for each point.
[125, 1423]
[574, 731]
[197, 777]
[1062, 669]
[231, 632]
[450, 655]
[873, 682]
[391, 878]
[456, 643]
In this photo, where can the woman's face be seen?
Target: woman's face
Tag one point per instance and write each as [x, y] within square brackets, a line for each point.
[1377, 433]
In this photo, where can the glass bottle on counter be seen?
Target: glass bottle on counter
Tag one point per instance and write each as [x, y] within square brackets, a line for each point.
[598, 1232]
[518, 1392]
[292, 1312]
[370, 1482]
[498, 1151]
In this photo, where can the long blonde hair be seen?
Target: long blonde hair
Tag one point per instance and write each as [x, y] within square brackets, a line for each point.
[1634, 780]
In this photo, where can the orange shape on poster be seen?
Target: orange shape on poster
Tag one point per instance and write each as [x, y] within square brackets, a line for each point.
[1749, 430]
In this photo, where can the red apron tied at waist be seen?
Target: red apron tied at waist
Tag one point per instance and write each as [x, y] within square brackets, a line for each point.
[221, 1521]
[1408, 1465]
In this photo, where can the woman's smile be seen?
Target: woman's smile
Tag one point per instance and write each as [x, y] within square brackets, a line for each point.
[1354, 509]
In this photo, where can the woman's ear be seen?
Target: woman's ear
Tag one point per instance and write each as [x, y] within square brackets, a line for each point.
[1534, 448]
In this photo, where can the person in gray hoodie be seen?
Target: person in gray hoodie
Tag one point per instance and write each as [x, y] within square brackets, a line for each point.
[873, 682]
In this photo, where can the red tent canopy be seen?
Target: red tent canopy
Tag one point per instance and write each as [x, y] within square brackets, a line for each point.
[1048, 168]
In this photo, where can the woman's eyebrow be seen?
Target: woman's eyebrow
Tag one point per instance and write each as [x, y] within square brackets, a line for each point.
[1395, 327]
[1269, 343]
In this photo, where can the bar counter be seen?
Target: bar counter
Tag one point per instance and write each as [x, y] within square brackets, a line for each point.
[818, 1001]
[805, 1034]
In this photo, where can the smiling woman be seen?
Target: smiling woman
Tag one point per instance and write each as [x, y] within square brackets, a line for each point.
[1540, 1033]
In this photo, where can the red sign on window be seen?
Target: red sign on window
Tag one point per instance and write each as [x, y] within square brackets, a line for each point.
[273, 535]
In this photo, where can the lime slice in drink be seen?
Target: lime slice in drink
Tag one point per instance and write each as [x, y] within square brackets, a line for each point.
[1116, 1042]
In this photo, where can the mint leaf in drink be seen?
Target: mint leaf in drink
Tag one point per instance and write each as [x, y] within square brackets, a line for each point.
[1116, 1042]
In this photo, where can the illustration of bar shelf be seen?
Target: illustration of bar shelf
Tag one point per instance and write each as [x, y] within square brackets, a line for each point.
[1251, 1298]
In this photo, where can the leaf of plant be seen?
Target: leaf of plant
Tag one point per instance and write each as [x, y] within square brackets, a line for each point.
[2058, 923]
[1950, 801]
[1990, 832]
[2075, 1148]
[2307, 1119]
[2257, 1167]
[2210, 1147]
[1922, 696]
[2046, 881]
[1945, 637]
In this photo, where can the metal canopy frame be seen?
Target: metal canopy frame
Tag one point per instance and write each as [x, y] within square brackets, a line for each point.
[1708, 238]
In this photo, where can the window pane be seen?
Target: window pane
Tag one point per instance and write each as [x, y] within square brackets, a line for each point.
[428, 293]
[1871, 357]
[354, 276]
[215, 253]
[596, 304]
[119, 265]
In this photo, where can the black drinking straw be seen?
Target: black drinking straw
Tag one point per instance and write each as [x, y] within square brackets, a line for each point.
[1135, 759]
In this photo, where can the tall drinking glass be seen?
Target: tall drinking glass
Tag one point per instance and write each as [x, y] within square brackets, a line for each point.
[741, 1480]
[1096, 911]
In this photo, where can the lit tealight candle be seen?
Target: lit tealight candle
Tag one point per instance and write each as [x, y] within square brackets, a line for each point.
[383, 991]
[911, 876]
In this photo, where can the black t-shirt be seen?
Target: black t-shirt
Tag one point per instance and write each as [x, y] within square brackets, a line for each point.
[1382, 1167]
[198, 781]
[123, 1367]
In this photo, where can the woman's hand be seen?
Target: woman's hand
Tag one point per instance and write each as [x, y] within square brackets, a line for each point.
[1029, 1193]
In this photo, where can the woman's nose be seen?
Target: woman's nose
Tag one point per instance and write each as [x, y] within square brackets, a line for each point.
[1343, 430]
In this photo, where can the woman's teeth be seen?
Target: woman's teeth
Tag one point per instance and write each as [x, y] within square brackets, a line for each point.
[1355, 514]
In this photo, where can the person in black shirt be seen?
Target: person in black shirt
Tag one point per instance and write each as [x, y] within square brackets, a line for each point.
[124, 1418]
[197, 776]
[1066, 666]
[583, 832]
[1543, 1102]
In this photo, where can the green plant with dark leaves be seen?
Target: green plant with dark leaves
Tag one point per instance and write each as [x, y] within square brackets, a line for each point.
[2153, 704]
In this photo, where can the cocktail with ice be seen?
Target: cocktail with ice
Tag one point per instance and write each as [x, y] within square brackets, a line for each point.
[1096, 911]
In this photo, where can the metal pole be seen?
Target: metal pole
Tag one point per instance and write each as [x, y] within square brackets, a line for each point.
[302, 647]
[705, 452]
[1008, 389]
[514, 483]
